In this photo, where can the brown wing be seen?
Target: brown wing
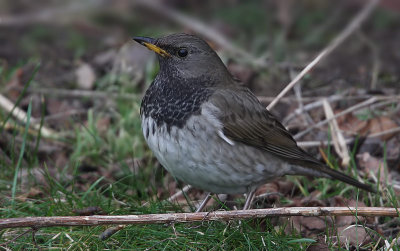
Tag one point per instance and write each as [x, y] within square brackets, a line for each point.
[246, 120]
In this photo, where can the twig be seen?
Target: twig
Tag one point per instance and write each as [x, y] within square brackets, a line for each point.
[310, 106]
[394, 241]
[376, 66]
[326, 121]
[97, 220]
[110, 231]
[350, 28]
[185, 189]
[297, 90]
[16, 237]
[20, 115]
[43, 147]
[305, 144]
[390, 131]
[337, 136]
[332, 98]
[82, 93]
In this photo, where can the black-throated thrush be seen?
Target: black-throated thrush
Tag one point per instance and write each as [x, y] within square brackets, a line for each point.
[211, 132]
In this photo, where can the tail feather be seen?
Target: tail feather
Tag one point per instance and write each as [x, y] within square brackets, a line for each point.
[311, 166]
[347, 179]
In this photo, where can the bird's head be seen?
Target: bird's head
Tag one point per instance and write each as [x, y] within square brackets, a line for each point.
[186, 56]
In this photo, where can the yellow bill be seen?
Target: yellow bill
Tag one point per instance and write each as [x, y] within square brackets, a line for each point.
[156, 49]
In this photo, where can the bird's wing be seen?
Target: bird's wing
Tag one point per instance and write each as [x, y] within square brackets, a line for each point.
[247, 121]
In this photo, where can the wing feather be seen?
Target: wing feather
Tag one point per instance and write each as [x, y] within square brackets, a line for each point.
[245, 120]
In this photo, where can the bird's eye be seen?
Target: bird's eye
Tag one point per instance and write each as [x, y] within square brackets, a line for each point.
[182, 52]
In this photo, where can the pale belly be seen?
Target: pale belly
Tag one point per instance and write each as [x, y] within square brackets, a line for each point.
[199, 156]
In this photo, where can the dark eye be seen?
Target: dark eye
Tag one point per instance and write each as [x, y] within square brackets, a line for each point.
[182, 52]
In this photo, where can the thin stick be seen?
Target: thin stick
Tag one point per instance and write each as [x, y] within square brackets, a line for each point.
[337, 136]
[305, 144]
[379, 134]
[97, 220]
[332, 98]
[326, 121]
[82, 93]
[16, 237]
[20, 115]
[350, 28]
[310, 106]
[185, 189]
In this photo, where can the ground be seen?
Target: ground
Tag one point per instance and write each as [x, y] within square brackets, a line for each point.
[76, 73]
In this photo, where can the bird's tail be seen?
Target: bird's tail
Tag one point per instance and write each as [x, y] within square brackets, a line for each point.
[321, 170]
[347, 179]
[311, 166]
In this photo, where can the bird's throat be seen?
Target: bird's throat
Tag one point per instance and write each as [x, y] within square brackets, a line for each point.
[171, 101]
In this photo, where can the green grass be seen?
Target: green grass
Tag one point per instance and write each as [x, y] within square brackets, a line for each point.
[127, 194]
[66, 188]
[124, 193]
[119, 187]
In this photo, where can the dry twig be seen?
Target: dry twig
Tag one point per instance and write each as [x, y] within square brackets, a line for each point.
[78, 93]
[20, 115]
[350, 28]
[337, 136]
[332, 98]
[305, 144]
[327, 120]
[185, 189]
[97, 220]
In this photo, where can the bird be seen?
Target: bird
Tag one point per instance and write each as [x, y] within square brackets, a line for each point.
[210, 131]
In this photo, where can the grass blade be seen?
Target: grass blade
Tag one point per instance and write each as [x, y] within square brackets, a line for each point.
[21, 154]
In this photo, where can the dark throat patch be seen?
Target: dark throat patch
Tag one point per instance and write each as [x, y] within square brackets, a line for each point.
[173, 102]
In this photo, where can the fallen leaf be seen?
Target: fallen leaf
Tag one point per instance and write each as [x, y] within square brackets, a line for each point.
[33, 192]
[350, 123]
[351, 236]
[379, 124]
[353, 125]
[373, 165]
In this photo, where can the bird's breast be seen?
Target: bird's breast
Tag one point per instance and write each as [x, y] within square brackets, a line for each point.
[199, 155]
[173, 103]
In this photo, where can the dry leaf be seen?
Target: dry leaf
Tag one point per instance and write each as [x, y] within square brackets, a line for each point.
[33, 192]
[352, 236]
[370, 164]
[379, 124]
[350, 123]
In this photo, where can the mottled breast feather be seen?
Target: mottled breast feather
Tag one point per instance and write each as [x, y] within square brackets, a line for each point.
[173, 102]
